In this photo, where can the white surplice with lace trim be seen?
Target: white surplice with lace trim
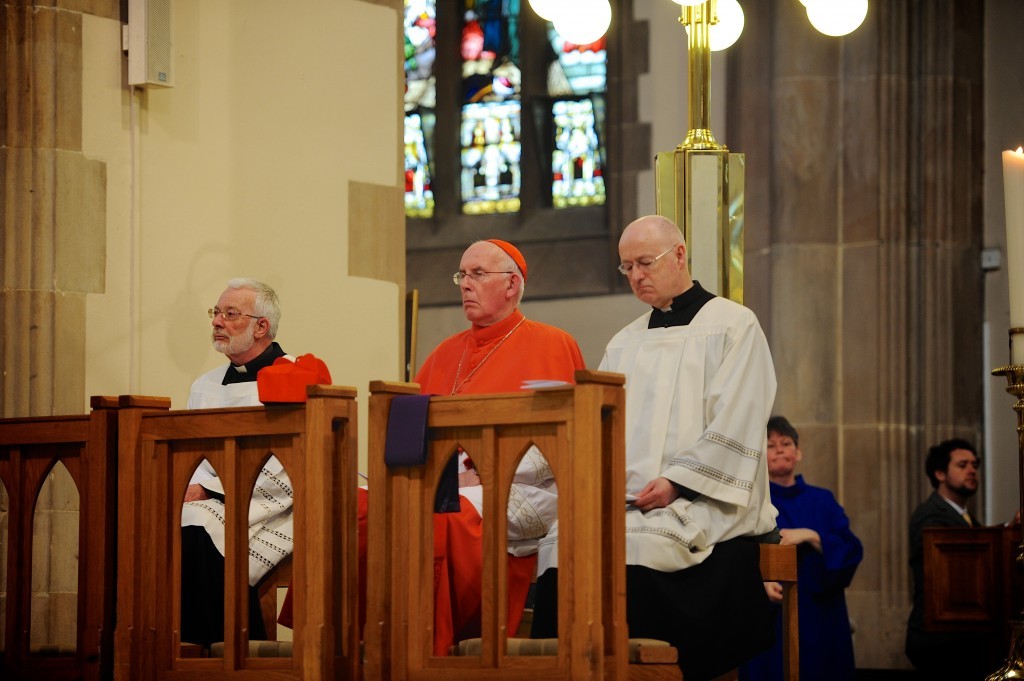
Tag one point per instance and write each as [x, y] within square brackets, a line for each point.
[270, 509]
[698, 398]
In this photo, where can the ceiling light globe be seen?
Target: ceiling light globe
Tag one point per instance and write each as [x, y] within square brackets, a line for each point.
[582, 22]
[727, 31]
[729, 27]
[547, 9]
[836, 17]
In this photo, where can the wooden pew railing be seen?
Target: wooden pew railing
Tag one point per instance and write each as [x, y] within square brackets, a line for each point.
[579, 429]
[317, 445]
[87, 447]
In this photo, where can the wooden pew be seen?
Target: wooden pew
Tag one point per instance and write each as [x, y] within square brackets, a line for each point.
[316, 443]
[87, 447]
[580, 431]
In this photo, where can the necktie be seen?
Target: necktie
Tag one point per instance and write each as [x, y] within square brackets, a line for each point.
[967, 517]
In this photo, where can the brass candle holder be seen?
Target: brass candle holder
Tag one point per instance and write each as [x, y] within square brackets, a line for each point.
[1014, 667]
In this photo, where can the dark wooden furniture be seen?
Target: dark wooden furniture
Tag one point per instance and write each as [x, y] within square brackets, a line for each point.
[973, 582]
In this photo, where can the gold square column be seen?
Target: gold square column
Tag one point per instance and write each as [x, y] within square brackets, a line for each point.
[700, 185]
[702, 191]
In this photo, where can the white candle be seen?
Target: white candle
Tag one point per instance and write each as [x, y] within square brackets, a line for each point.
[1013, 193]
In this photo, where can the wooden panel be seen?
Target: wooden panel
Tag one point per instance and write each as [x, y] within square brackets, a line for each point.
[779, 564]
[580, 432]
[317, 444]
[967, 579]
[86, 446]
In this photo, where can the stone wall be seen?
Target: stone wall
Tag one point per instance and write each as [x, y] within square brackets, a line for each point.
[864, 228]
[55, 546]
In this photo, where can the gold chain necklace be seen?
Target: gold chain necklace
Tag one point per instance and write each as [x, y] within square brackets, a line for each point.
[456, 386]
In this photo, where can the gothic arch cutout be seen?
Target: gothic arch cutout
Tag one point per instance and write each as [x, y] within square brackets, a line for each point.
[53, 626]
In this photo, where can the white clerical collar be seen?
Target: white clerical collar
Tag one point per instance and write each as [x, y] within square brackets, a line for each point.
[240, 368]
[960, 510]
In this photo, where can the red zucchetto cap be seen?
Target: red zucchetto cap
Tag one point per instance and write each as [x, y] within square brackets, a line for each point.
[513, 253]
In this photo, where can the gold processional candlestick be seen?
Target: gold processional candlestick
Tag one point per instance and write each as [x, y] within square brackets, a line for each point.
[700, 185]
[1014, 667]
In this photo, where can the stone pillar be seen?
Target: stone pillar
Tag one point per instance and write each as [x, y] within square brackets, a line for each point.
[52, 207]
[864, 230]
[52, 253]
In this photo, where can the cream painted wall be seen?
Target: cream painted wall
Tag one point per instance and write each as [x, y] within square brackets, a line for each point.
[242, 169]
[106, 136]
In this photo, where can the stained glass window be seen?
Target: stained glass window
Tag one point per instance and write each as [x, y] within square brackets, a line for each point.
[578, 69]
[490, 133]
[491, 151]
[577, 169]
[577, 162]
[419, 194]
[473, 138]
[420, 101]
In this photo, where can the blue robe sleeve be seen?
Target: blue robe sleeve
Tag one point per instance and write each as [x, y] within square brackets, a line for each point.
[831, 570]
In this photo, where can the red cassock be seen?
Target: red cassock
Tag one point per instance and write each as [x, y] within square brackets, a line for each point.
[493, 359]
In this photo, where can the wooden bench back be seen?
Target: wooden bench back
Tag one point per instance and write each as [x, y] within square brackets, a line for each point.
[317, 445]
[779, 564]
[29, 448]
[580, 431]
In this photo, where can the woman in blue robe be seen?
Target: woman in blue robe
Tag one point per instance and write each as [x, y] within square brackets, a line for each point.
[828, 554]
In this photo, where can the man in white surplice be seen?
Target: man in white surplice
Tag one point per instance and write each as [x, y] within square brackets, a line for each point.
[700, 386]
[245, 322]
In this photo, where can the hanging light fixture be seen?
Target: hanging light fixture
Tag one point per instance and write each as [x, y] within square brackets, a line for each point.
[727, 30]
[546, 9]
[729, 26]
[582, 22]
[836, 17]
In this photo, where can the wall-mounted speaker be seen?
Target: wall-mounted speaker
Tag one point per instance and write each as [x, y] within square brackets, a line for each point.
[150, 44]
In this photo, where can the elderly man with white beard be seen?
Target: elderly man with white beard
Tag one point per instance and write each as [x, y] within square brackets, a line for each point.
[245, 322]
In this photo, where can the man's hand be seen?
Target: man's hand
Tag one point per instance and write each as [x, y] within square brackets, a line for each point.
[801, 535]
[658, 493]
[469, 478]
[774, 591]
[196, 493]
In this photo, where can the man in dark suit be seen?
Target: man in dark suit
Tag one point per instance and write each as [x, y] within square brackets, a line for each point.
[952, 468]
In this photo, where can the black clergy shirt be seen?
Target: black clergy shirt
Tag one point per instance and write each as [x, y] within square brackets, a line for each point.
[684, 308]
[245, 373]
